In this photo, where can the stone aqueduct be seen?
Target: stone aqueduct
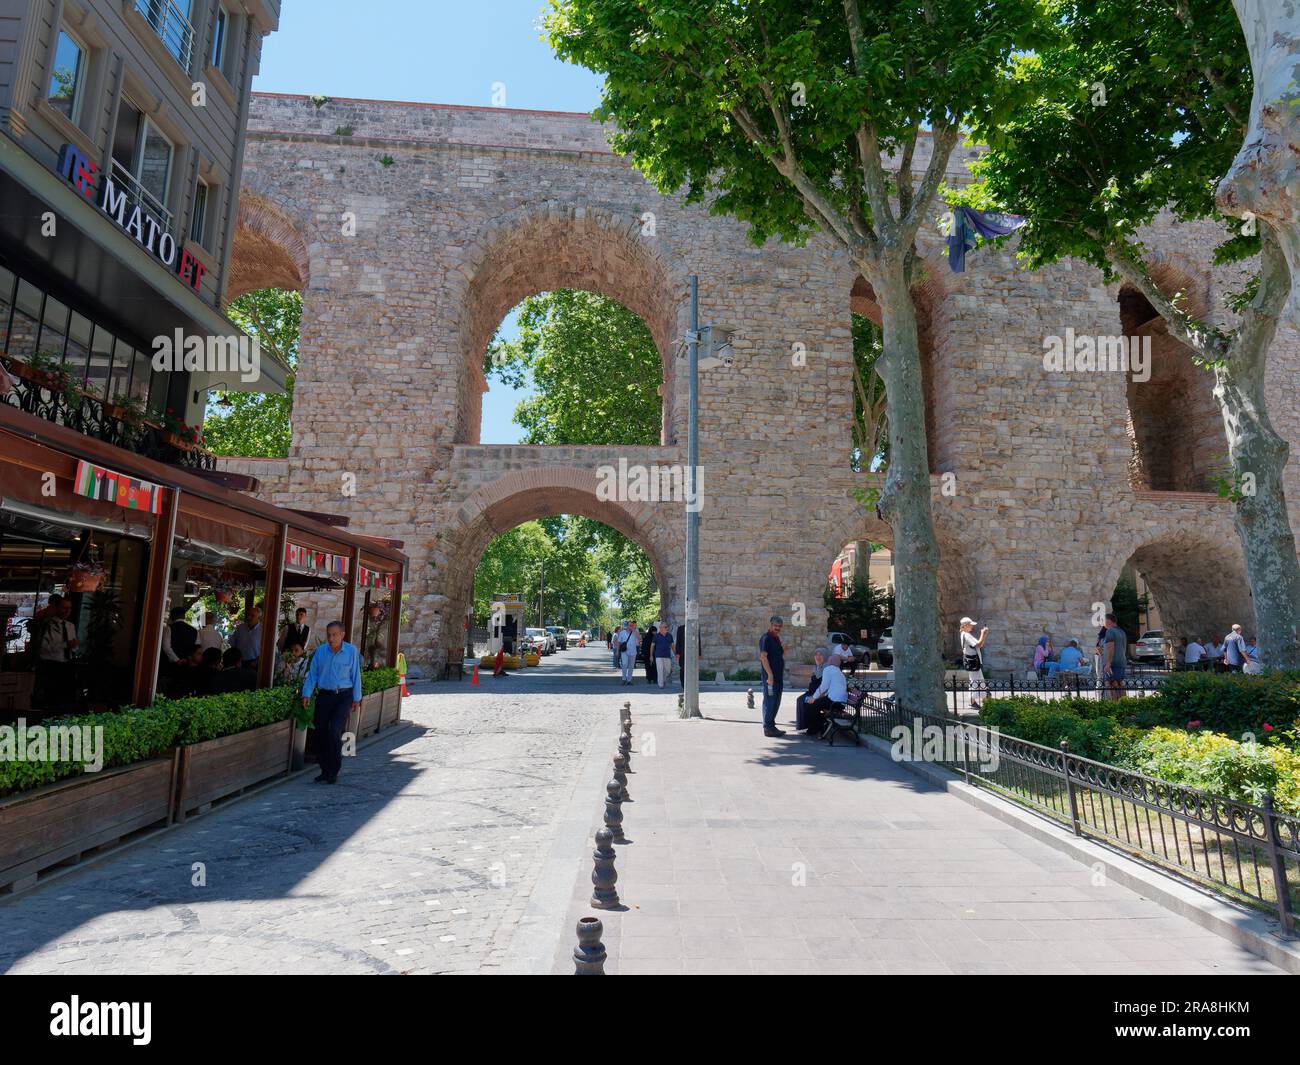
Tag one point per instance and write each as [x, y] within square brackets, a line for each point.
[1057, 480]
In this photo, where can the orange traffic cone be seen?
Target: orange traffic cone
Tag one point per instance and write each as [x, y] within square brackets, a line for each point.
[474, 680]
[401, 674]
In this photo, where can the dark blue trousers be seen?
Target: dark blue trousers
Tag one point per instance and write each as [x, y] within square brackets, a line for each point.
[332, 709]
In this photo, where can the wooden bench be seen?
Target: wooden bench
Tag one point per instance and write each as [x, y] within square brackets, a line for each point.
[845, 717]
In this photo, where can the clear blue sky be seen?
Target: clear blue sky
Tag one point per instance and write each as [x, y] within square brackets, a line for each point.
[433, 51]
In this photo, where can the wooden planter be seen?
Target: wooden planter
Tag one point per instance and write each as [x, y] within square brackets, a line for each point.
[390, 711]
[370, 714]
[60, 822]
[214, 769]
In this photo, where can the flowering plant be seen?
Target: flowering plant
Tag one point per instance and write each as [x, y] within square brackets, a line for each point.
[178, 427]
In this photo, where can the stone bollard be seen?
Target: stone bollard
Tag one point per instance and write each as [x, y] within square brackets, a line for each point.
[749, 698]
[614, 811]
[604, 876]
[589, 954]
[620, 773]
[625, 741]
[625, 713]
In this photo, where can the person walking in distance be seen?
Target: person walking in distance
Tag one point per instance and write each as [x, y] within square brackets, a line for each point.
[1113, 657]
[1234, 650]
[629, 642]
[663, 652]
[972, 658]
[771, 657]
[335, 676]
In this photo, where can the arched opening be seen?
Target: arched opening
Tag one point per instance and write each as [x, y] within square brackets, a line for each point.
[572, 367]
[1174, 424]
[552, 248]
[925, 298]
[550, 495]
[568, 571]
[1185, 584]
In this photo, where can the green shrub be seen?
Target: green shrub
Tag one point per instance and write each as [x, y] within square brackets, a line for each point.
[378, 680]
[1089, 726]
[1231, 703]
[1219, 764]
[136, 735]
[129, 736]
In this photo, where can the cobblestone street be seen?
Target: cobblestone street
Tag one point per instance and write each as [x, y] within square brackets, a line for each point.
[425, 858]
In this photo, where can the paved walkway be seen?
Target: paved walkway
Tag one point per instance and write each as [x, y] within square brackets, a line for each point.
[462, 843]
[755, 855]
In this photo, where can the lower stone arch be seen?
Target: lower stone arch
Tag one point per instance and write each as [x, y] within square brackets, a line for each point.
[527, 495]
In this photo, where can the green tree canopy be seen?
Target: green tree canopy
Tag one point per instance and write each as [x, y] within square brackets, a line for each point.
[254, 424]
[594, 365]
[1133, 107]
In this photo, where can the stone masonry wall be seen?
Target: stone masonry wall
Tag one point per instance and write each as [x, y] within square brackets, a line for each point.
[421, 225]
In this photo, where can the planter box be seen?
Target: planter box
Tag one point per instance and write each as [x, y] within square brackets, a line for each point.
[370, 708]
[214, 769]
[59, 822]
[391, 707]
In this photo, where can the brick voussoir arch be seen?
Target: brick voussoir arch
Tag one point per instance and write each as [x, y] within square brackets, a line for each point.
[270, 248]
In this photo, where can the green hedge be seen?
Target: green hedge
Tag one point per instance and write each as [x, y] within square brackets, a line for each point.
[1266, 706]
[136, 735]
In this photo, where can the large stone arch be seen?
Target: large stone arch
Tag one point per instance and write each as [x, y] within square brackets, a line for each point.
[1196, 575]
[527, 495]
[1175, 428]
[558, 245]
[270, 248]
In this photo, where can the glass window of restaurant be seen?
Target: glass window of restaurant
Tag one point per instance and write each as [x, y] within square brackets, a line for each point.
[72, 582]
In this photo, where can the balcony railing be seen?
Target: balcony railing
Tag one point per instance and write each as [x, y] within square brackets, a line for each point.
[172, 27]
[39, 394]
[146, 199]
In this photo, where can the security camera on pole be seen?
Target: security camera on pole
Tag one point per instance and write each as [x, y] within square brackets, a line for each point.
[717, 345]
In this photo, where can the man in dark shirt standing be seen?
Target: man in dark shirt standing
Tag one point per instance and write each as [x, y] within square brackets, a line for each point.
[771, 656]
[296, 633]
[185, 637]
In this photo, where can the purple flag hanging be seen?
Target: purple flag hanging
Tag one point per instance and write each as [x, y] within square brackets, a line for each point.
[969, 222]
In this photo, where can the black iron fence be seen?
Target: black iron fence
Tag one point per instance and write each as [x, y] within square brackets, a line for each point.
[1248, 851]
[962, 698]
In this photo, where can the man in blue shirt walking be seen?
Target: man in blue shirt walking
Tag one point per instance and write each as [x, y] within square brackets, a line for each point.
[335, 676]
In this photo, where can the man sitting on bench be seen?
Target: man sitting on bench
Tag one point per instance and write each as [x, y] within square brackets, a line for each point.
[830, 696]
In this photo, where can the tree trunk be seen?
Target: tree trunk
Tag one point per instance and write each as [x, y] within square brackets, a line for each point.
[905, 501]
[1264, 180]
[1260, 454]
[1265, 176]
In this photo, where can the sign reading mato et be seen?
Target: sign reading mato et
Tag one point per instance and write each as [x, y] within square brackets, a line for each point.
[116, 203]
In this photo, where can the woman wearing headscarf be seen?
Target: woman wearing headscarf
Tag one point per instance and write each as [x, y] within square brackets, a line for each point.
[648, 653]
[1042, 653]
[802, 720]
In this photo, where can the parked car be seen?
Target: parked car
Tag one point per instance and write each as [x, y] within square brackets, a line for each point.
[885, 648]
[576, 636]
[561, 636]
[544, 640]
[861, 652]
[17, 633]
[1151, 647]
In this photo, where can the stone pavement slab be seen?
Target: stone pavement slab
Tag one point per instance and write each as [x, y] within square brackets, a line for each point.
[754, 855]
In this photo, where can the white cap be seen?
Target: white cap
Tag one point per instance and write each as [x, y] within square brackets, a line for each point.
[967, 621]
